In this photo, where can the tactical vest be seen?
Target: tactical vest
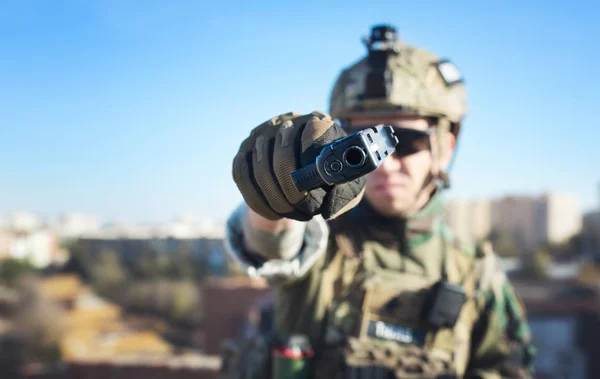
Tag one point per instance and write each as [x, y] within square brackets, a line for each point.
[365, 314]
[375, 326]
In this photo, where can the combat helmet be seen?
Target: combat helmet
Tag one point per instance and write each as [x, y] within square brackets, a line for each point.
[395, 78]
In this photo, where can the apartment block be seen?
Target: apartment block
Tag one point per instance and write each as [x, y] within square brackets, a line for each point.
[529, 220]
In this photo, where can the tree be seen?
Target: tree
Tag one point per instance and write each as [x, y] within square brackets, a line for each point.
[151, 265]
[181, 266]
[185, 301]
[37, 325]
[108, 274]
[541, 262]
[78, 262]
[504, 244]
[11, 270]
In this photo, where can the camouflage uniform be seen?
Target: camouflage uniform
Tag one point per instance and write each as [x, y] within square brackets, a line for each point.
[359, 283]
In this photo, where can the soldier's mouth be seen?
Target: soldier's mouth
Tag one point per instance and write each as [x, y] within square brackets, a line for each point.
[390, 185]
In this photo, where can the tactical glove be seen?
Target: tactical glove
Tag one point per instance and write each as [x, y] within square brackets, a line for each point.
[266, 159]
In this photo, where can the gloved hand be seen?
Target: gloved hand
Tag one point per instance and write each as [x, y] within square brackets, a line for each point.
[266, 159]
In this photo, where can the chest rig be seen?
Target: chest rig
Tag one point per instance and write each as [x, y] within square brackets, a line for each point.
[392, 323]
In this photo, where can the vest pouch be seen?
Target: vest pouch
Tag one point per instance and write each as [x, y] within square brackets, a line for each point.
[443, 306]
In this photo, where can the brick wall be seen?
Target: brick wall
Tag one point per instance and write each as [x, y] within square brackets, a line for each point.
[227, 303]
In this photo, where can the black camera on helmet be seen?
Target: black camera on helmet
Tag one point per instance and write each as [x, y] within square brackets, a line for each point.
[382, 43]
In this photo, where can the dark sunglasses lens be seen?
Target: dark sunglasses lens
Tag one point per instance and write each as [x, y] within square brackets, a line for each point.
[411, 141]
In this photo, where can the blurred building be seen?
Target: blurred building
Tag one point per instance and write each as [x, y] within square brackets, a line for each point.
[591, 236]
[598, 199]
[181, 228]
[559, 217]
[23, 221]
[207, 250]
[72, 225]
[25, 236]
[591, 223]
[232, 303]
[118, 230]
[5, 238]
[201, 240]
[39, 247]
[518, 216]
[565, 324]
[470, 219]
[529, 221]
[186, 227]
[481, 218]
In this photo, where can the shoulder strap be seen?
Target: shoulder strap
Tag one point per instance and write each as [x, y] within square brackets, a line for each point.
[343, 248]
[474, 269]
[330, 283]
[486, 266]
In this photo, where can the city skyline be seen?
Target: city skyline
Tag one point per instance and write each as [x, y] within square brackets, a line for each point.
[76, 224]
[135, 113]
[106, 223]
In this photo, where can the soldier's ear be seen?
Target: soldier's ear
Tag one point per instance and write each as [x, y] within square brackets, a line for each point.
[448, 150]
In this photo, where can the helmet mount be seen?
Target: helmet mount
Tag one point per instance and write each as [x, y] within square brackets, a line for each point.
[380, 44]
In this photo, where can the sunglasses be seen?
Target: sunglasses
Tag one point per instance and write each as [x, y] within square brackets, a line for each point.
[410, 141]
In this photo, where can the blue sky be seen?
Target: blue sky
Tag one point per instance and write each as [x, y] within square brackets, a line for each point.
[134, 110]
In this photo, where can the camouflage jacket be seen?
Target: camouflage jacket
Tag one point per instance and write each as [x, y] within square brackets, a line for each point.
[491, 339]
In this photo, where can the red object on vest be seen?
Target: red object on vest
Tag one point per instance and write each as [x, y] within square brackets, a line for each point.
[289, 353]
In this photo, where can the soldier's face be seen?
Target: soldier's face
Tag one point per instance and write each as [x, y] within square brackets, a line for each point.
[395, 187]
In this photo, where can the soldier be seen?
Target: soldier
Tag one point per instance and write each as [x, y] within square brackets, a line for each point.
[367, 271]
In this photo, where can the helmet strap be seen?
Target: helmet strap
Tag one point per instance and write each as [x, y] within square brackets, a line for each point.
[437, 178]
[443, 132]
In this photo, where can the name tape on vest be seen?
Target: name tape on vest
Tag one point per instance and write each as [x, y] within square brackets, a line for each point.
[390, 332]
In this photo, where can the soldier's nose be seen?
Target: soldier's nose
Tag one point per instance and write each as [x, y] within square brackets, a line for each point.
[391, 164]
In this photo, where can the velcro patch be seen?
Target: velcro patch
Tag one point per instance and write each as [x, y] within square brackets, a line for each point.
[449, 72]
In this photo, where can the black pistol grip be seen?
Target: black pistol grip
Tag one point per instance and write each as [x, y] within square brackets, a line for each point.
[307, 178]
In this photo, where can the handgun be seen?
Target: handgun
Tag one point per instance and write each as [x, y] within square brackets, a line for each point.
[347, 158]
